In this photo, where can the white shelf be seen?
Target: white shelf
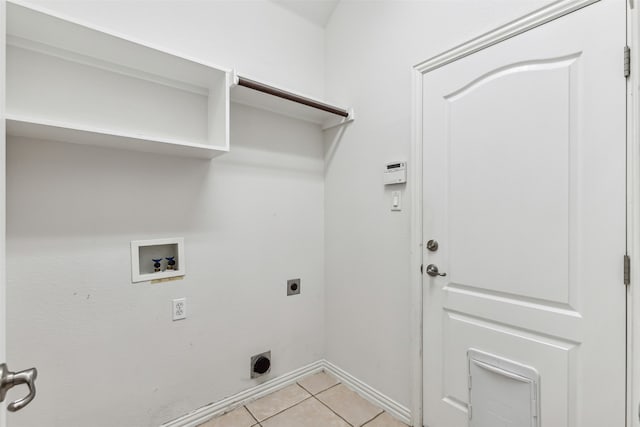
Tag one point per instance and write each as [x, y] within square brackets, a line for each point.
[70, 82]
[64, 132]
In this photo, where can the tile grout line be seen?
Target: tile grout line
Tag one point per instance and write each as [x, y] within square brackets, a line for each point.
[324, 404]
[363, 424]
[371, 420]
[328, 407]
[321, 391]
[310, 396]
[252, 416]
[376, 416]
[285, 409]
[302, 387]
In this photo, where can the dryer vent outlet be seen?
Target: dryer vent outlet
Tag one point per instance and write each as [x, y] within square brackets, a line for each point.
[261, 364]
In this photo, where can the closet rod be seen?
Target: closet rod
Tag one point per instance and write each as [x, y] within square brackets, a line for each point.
[252, 84]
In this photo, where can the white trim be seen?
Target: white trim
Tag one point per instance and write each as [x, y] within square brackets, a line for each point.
[207, 412]
[512, 29]
[3, 205]
[371, 394]
[212, 410]
[415, 262]
[633, 219]
[521, 25]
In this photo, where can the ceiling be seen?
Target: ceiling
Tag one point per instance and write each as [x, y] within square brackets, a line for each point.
[315, 11]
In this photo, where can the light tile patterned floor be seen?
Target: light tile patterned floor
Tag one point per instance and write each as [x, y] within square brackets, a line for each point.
[318, 400]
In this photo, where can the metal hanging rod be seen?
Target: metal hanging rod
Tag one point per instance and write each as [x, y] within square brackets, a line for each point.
[252, 84]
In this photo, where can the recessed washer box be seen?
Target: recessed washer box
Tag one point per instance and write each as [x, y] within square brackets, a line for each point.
[157, 259]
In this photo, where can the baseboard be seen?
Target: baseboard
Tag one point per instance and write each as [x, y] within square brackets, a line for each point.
[207, 412]
[212, 410]
[399, 411]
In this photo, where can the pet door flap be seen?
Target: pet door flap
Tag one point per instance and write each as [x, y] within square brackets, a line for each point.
[501, 392]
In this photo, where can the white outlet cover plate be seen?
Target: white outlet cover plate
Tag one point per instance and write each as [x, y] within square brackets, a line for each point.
[179, 309]
[396, 201]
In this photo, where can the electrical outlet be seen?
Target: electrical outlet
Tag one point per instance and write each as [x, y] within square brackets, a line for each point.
[179, 309]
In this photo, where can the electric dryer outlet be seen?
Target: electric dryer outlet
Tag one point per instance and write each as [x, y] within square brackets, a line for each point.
[293, 287]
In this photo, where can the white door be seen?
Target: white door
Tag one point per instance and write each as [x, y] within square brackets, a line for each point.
[524, 190]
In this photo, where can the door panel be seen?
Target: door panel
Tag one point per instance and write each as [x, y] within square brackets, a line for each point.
[524, 189]
[530, 146]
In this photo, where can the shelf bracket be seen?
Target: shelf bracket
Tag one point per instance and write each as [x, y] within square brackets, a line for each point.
[330, 124]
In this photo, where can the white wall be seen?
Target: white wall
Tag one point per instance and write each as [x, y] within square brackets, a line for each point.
[371, 47]
[107, 351]
[258, 38]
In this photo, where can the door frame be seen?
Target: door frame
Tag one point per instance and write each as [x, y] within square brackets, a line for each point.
[3, 210]
[633, 216]
[521, 25]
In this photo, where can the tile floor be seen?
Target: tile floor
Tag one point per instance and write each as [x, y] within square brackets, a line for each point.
[319, 400]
